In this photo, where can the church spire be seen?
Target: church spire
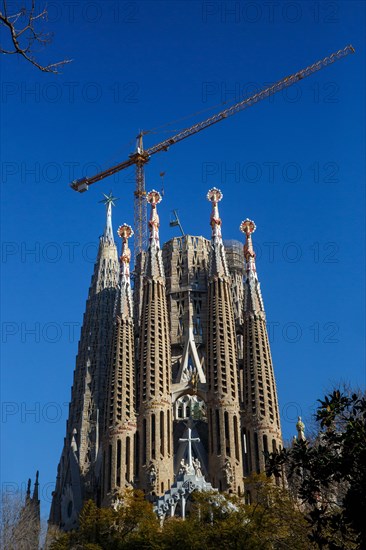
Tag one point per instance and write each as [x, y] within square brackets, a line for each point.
[120, 418]
[218, 266]
[154, 264]
[109, 201]
[260, 414]
[35, 497]
[80, 470]
[28, 493]
[155, 414]
[253, 302]
[248, 227]
[154, 198]
[215, 196]
[124, 305]
[225, 457]
[125, 231]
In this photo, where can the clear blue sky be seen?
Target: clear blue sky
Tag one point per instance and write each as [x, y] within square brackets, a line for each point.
[294, 164]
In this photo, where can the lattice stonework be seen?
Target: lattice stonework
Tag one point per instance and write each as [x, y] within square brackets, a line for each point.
[118, 462]
[225, 454]
[184, 361]
[260, 414]
[155, 446]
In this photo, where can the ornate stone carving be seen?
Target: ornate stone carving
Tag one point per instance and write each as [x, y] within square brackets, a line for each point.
[151, 476]
[228, 472]
[300, 426]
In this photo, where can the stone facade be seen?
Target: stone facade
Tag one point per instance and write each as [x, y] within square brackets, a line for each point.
[173, 379]
[79, 469]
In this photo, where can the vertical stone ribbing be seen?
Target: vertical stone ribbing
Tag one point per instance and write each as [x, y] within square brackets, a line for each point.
[88, 394]
[78, 470]
[260, 414]
[185, 264]
[225, 461]
[120, 417]
[194, 328]
[155, 410]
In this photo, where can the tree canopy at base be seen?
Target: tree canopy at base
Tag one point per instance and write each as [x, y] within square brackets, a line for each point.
[323, 506]
[329, 474]
[214, 520]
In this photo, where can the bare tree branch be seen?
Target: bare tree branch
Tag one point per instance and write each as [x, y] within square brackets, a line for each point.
[24, 38]
[19, 525]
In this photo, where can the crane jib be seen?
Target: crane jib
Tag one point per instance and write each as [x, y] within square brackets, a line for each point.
[141, 157]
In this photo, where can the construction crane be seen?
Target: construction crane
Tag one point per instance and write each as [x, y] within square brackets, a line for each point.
[176, 222]
[141, 156]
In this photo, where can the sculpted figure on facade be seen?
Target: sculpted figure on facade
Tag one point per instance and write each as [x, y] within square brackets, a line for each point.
[300, 426]
[151, 475]
[197, 467]
[228, 471]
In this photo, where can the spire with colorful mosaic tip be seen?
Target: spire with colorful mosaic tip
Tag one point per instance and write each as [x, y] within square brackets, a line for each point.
[125, 232]
[215, 196]
[248, 227]
[153, 198]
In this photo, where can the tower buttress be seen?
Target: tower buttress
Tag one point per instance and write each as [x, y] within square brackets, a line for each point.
[155, 450]
[225, 455]
[260, 414]
[120, 417]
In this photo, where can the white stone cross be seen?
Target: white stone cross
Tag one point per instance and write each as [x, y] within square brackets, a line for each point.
[190, 440]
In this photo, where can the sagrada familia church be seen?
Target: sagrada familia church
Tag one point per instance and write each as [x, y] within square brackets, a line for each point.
[174, 388]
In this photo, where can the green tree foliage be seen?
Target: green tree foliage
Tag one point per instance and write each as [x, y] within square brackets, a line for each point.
[273, 521]
[130, 526]
[330, 474]
[324, 506]
[213, 521]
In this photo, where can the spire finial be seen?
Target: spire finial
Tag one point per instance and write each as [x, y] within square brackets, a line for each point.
[248, 227]
[27, 496]
[154, 197]
[36, 485]
[125, 231]
[109, 201]
[214, 196]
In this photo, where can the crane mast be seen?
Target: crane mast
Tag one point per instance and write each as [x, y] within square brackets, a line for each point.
[140, 157]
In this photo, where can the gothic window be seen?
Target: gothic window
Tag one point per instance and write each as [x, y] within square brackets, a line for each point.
[168, 430]
[218, 436]
[118, 473]
[236, 438]
[227, 433]
[128, 458]
[256, 452]
[162, 439]
[136, 453]
[153, 436]
[144, 442]
[109, 474]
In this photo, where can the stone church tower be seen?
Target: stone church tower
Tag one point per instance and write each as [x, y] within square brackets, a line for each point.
[174, 386]
[119, 436]
[79, 469]
[260, 415]
[225, 456]
[155, 440]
